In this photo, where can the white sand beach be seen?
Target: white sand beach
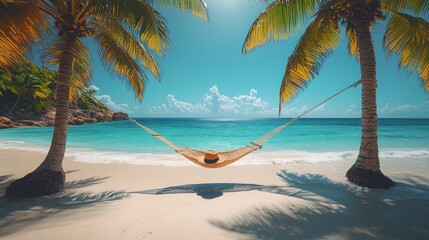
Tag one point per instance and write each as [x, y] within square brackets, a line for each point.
[293, 201]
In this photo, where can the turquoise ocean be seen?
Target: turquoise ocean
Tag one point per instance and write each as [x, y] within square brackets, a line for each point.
[307, 140]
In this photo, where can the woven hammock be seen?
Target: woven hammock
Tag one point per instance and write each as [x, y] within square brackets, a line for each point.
[213, 159]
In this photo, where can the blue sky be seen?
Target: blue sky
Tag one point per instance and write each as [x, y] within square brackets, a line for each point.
[204, 74]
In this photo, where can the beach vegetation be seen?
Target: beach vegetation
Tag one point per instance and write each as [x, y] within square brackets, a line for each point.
[406, 35]
[127, 33]
[29, 84]
[3, 80]
[30, 90]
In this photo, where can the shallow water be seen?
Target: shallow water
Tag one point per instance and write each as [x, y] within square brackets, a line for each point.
[307, 140]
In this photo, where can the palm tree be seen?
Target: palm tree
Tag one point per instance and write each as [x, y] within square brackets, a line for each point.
[26, 82]
[4, 78]
[406, 36]
[125, 32]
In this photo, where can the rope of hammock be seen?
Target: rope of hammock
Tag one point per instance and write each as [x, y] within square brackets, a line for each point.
[226, 158]
[260, 141]
[157, 135]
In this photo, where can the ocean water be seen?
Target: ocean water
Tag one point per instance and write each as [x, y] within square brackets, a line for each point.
[307, 140]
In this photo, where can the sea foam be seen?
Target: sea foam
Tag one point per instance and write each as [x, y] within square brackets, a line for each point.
[175, 160]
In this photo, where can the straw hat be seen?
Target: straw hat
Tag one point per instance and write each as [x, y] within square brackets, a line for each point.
[211, 157]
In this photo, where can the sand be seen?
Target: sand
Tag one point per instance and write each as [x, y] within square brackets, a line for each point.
[293, 201]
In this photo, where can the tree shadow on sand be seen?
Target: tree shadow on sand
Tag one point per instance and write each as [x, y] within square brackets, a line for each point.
[17, 214]
[214, 190]
[326, 209]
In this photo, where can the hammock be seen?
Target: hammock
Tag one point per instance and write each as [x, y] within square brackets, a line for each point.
[213, 159]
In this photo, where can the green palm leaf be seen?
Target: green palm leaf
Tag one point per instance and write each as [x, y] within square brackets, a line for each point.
[318, 41]
[39, 88]
[352, 41]
[279, 20]
[2, 87]
[21, 25]
[417, 6]
[408, 37]
[196, 7]
[127, 41]
[4, 78]
[120, 63]
[81, 72]
[139, 16]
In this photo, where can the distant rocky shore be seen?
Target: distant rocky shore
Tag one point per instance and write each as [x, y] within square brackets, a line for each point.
[76, 117]
[28, 98]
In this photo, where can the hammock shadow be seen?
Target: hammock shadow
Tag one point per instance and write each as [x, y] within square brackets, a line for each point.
[4, 182]
[214, 190]
[343, 211]
[17, 214]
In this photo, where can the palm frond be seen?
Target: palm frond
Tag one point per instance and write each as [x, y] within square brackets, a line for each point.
[279, 20]
[4, 78]
[120, 63]
[21, 25]
[417, 6]
[352, 41]
[2, 87]
[408, 37]
[81, 71]
[197, 8]
[127, 41]
[39, 88]
[316, 44]
[137, 15]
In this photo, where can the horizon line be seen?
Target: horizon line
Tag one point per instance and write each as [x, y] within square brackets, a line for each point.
[180, 117]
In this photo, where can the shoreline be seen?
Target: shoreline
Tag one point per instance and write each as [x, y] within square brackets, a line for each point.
[293, 201]
[172, 159]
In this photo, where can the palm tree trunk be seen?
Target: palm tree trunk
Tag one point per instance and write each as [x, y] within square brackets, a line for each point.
[49, 177]
[366, 170]
[54, 159]
[14, 105]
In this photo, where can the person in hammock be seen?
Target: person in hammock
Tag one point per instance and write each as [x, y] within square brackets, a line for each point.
[211, 157]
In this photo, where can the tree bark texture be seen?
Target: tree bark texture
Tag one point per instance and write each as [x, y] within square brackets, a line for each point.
[366, 170]
[54, 159]
[49, 177]
[368, 152]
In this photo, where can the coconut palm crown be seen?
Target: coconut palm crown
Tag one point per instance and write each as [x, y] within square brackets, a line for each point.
[407, 35]
[127, 33]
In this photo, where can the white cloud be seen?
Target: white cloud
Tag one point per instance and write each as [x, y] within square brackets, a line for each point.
[215, 102]
[106, 99]
[219, 103]
[175, 105]
[95, 88]
[404, 109]
[352, 110]
[387, 110]
[295, 111]
[251, 103]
